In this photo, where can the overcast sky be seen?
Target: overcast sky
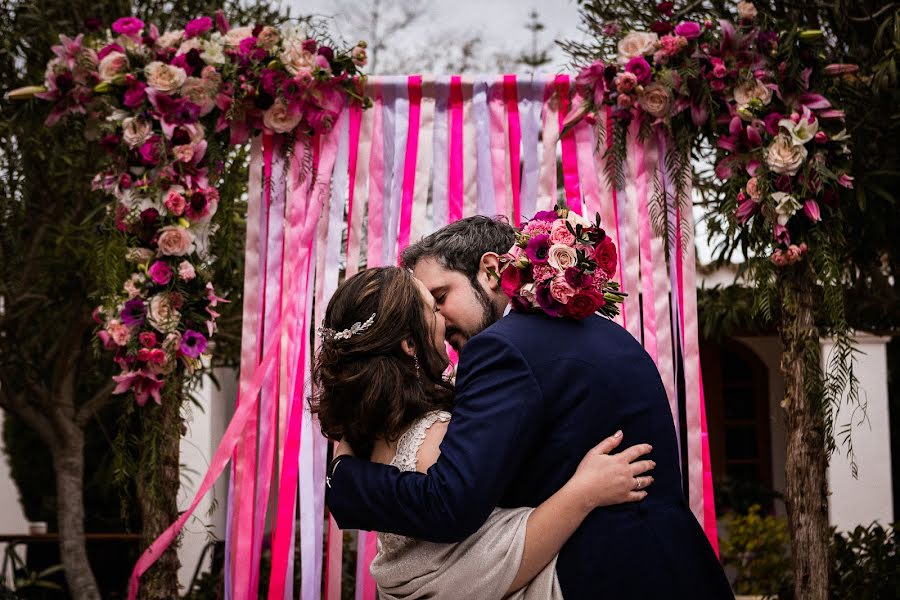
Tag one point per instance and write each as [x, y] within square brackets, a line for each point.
[500, 23]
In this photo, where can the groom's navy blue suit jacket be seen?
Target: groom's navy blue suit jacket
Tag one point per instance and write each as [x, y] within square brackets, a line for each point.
[533, 395]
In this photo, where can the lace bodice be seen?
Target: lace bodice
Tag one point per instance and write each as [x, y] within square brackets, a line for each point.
[407, 448]
[409, 443]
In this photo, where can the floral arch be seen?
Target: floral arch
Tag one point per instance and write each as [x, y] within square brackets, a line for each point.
[387, 160]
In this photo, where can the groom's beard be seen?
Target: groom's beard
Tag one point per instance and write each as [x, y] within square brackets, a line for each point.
[457, 337]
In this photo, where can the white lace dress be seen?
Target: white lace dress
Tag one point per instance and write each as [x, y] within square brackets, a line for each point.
[483, 564]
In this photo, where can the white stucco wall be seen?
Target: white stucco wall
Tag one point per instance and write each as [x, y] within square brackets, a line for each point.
[204, 430]
[12, 518]
[867, 498]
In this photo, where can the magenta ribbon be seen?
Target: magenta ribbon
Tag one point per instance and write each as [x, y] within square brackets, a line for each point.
[510, 93]
[409, 164]
[355, 199]
[569, 151]
[455, 170]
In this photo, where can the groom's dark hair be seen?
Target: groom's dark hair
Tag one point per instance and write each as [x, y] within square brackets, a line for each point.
[460, 245]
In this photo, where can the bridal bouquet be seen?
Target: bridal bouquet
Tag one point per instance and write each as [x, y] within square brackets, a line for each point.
[562, 265]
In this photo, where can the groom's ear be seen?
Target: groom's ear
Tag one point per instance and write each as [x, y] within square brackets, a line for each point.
[489, 269]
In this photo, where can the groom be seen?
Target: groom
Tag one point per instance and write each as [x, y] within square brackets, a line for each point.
[533, 395]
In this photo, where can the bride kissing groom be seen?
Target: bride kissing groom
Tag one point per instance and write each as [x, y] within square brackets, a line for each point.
[505, 484]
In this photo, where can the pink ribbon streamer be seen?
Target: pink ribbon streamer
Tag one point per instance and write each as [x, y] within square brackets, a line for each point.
[409, 163]
[549, 136]
[499, 162]
[359, 146]
[569, 158]
[376, 185]
[629, 260]
[638, 197]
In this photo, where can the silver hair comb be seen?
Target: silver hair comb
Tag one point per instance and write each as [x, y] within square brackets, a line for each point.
[330, 334]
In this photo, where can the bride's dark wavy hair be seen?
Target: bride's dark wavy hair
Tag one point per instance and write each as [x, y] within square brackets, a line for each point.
[365, 386]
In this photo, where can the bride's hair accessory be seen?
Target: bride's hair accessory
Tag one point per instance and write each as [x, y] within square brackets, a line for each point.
[330, 334]
[562, 264]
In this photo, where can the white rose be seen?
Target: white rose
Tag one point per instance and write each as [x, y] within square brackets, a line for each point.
[746, 10]
[785, 205]
[802, 131]
[175, 241]
[295, 59]
[235, 36]
[784, 157]
[161, 315]
[163, 77]
[112, 65]
[637, 43]
[135, 131]
[268, 37]
[170, 38]
[200, 92]
[561, 257]
[279, 117]
[527, 292]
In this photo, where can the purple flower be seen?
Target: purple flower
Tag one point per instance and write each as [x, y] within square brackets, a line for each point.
[128, 26]
[197, 27]
[193, 343]
[270, 80]
[327, 52]
[771, 122]
[546, 215]
[641, 69]
[310, 45]
[538, 248]
[591, 76]
[150, 152]
[134, 312]
[160, 272]
[688, 29]
[222, 22]
[547, 302]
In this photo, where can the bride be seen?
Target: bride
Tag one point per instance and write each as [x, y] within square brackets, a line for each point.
[378, 376]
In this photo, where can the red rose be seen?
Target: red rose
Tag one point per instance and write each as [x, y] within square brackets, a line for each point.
[606, 257]
[584, 304]
[511, 280]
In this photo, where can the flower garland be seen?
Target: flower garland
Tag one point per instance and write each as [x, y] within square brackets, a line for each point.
[781, 147]
[159, 104]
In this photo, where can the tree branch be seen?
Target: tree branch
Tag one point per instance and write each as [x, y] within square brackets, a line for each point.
[19, 406]
[98, 401]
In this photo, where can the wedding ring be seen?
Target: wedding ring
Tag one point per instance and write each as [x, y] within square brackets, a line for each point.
[639, 483]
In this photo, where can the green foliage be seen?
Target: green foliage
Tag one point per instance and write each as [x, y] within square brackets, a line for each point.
[866, 563]
[756, 546]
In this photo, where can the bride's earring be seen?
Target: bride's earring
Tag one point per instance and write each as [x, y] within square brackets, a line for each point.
[416, 361]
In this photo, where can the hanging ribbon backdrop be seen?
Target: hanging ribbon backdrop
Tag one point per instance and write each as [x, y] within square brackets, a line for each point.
[429, 152]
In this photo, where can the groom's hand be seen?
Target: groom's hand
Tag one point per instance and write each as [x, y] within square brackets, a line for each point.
[604, 479]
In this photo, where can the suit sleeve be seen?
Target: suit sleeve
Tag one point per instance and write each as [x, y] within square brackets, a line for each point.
[496, 418]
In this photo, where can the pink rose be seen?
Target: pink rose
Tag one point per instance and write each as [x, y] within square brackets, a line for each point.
[535, 227]
[358, 55]
[128, 26]
[280, 118]
[268, 37]
[561, 257]
[147, 339]
[688, 29]
[656, 100]
[201, 92]
[560, 234]
[753, 189]
[561, 291]
[186, 271]
[175, 203]
[542, 272]
[163, 77]
[175, 241]
[183, 153]
[197, 27]
[160, 272]
[112, 66]
[625, 82]
[625, 101]
[119, 333]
